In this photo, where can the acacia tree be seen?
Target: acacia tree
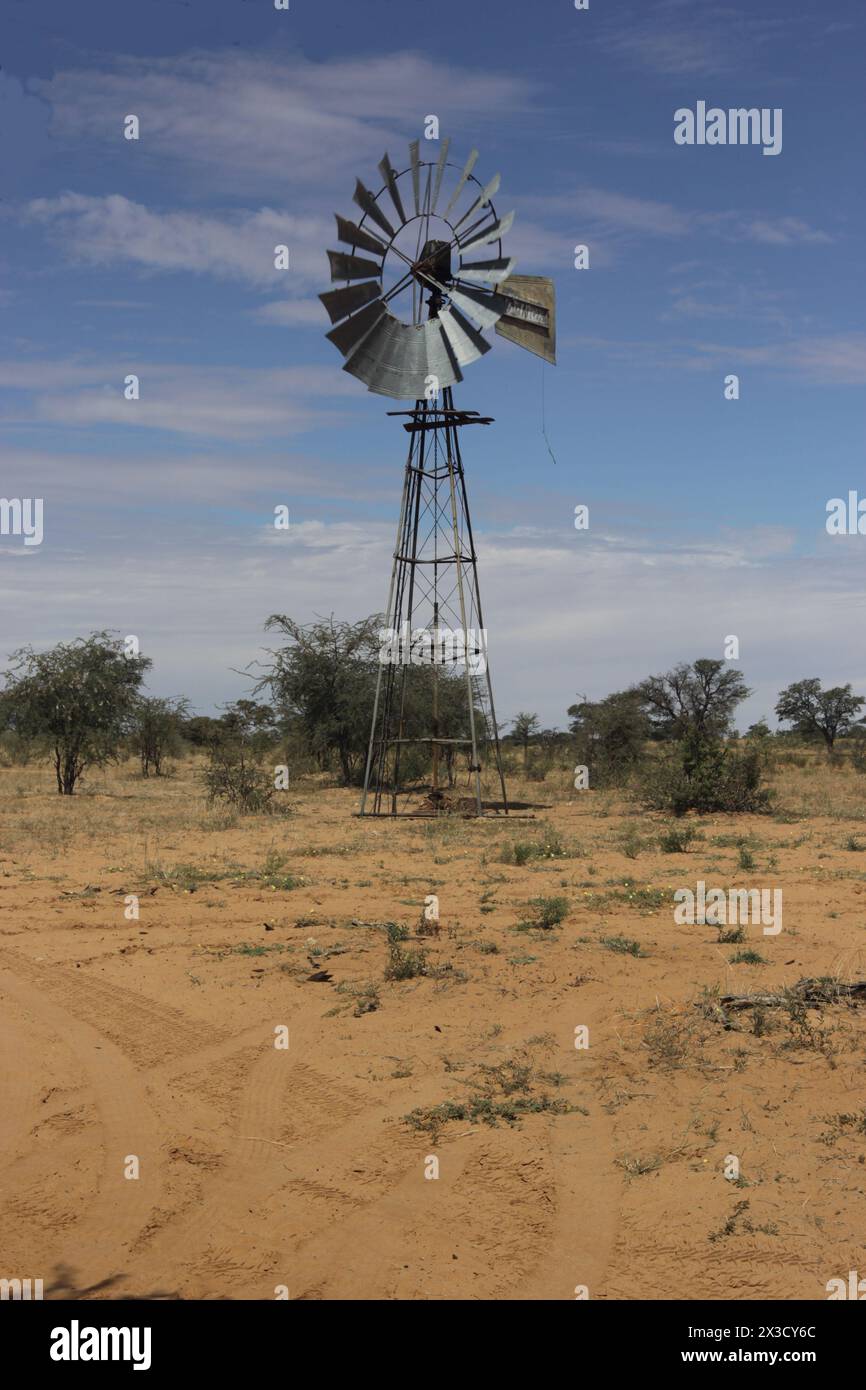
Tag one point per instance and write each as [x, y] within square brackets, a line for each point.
[815, 712]
[696, 699]
[610, 735]
[78, 698]
[323, 682]
[156, 731]
[523, 730]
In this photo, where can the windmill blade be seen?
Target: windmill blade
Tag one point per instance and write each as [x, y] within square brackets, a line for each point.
[485, 308]
[365, 200]
[467, 170]
[440, 170]
[352, 333]
[493, 232]
[530, 314]
[416, 175]
[345, 267]
[339, 303]
[396, 359]
[465, 342]
[483, 198]
[352, 235]
[391, 180]
[487, 272]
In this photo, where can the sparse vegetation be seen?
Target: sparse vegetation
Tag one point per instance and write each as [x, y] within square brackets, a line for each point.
[622, 945]
[545, 913]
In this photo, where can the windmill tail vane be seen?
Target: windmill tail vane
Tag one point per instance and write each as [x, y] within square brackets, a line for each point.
[410, 313]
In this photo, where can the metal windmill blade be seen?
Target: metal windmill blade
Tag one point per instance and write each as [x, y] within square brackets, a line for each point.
[487, 272]
[351, 235]
[440, 170]
[391, 180]
[398, 359]
[467, 170]
[465, 342]
[495, 231]
[339, 303]
[416, 174]
[482, 200]
[365, 200]
[454, 297]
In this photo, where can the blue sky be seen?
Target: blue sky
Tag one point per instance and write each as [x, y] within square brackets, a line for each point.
[156, 257]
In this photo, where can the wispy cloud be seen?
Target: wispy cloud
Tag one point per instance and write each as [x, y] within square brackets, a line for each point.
[112, 229]
[681, 38]
[609, 211]
[256, 120]
[835, 360]
[684, 598]
[213, 402]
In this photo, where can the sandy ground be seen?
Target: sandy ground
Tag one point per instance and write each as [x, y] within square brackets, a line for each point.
[263, 1167]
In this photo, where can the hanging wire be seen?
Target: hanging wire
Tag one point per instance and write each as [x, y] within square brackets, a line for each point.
[543, 421]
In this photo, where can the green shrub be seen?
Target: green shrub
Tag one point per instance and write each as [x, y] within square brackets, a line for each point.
[704, 775]
[404, 964]
[547, 845]
[630, 842]
[235, 776]
[547, 912]
[676, 839]
[622, 945]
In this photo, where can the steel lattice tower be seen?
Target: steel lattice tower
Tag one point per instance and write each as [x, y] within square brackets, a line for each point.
[434, 614]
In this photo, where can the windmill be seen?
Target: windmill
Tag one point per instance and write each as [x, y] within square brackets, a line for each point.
[409, 317]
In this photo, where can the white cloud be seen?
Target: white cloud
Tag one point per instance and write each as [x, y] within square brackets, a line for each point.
[254, 120]
[785, 231]
[678, 38]
[610, 213]
[306, 312]
[832, 359]
[228, 403]
[197, 597]
[111, 229]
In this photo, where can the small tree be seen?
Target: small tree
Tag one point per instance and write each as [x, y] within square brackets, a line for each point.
[156, 731]
[695, 699]
[610, 735]
[759, 731]
[234, 774]
[523, 730]
[254, 722]
[202, 730]
[814, 712]
[705, 775]
[323, 682]
[78, 698]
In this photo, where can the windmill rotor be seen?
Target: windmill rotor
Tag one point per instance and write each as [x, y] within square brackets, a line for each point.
[413, 301]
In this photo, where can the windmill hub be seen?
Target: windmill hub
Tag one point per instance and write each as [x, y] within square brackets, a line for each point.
[422, 323]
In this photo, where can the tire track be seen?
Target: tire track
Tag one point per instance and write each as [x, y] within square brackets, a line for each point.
[149, 1033]
[121, 1206]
